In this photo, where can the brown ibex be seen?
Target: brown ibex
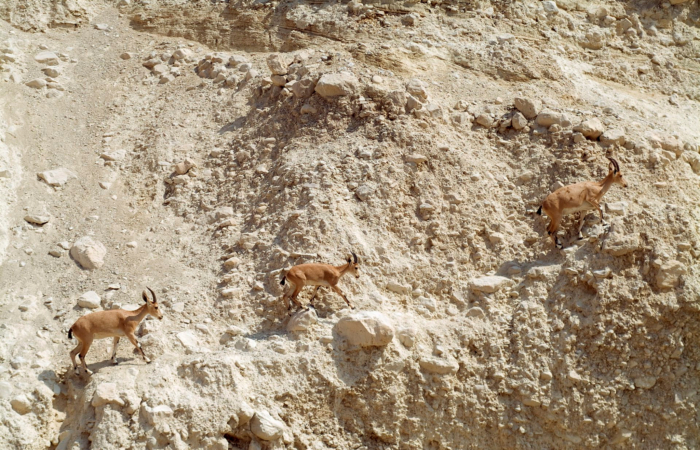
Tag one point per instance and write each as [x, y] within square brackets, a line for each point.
[578, 197]
[318, 275]
[114, 323]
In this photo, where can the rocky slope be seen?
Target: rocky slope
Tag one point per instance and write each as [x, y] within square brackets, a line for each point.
[205, 147]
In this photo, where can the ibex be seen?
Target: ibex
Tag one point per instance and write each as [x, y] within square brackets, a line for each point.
[318, 275]
[113, 323]
[578, 197]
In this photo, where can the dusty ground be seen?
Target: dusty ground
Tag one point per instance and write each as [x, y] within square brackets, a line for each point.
[419, 169]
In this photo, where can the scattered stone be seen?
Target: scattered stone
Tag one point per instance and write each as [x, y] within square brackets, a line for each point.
[612, 137]
[485, 120]
[550, 7]
[21, 404]
[106, 393]
[337, 84]
[126, 55]
[117, 155]
[57, 177]
[491, 283]
[398, 288]
[105, 184]
[64, 245]
[416, 158]
[529, 107]
[591, 128]
[407, 336]
[157, 414]
[88, 252]
[182, 53]
[622, 245]
[364, 192]
[90, 300]
[644, 382]
[518, 121]
[56, 253]
[303, 88]
[308, 109]
[49, 58]
[36, 83]
[366, 329]
[441, 366]
[669, 274]
[547, 118]
[132, 244]
[101, 26]
[303, 320]
[52, 72]
[266, 427]
[417, 89]
[279, 63]
[37, 219]
[189, 340]
[182, 168]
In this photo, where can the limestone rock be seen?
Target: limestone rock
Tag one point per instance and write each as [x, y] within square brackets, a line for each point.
[529, 107]
[669, 274]
[518, 121]
[106, 393]
[303, 88]
[303, 320]
[337, 84]
[49, 58]
[417, 89]
[36, 83]
[622, 245]
[591, 128]
[279, 63]
[37, 219]
[366, 329]
[88, 252]
[57, 177]
[182, 53]
[188, 340]
[266, 427]
[491, 283]
[611, 137]
[156, 414]
[21, 404]
[547, 118]
[644, 382]
[442, 366]
[90, 300]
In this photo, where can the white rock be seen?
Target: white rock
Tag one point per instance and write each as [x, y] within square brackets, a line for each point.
[364, 192]
[36, 83]
[442, 366]
[106, 393]
[21, 404]
[491, 283]
[132, 244]
[529, 107]
[182, 53]
[156, 414]
[126, 55]
[610, 137]
[266, 427]
[37, 219]
[366, 329]
[52, 72]
[88, 252]
[417, 88]
[189, 340]
[303, 320]
[279, 63]
[90, 300]
[485, 120]
[550, 7]
[547, 118]
[669, 274]
[57, 177]
[518, 121]
[244, 413]
[407, 336]
[117, 155]
[591, 128]
[398, 288]
[49, 58]
[337, 84]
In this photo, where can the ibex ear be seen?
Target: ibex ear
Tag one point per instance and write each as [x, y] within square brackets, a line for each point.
[144, 296]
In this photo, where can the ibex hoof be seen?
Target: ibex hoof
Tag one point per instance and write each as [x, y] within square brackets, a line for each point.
[88, 372]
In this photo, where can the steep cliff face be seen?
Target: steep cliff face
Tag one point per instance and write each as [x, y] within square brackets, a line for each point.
[209, 147]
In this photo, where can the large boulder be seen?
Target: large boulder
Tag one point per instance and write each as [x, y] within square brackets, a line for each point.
[303, 320]
[279, 63]
[88, 252]
[529, 107]
[591, 128]
[106, 393]
[267, 427]
[46, 57]
[337, 84]
[366, 329]
[669, 273]
[90, 300]
[57, 177]
[491, 283]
